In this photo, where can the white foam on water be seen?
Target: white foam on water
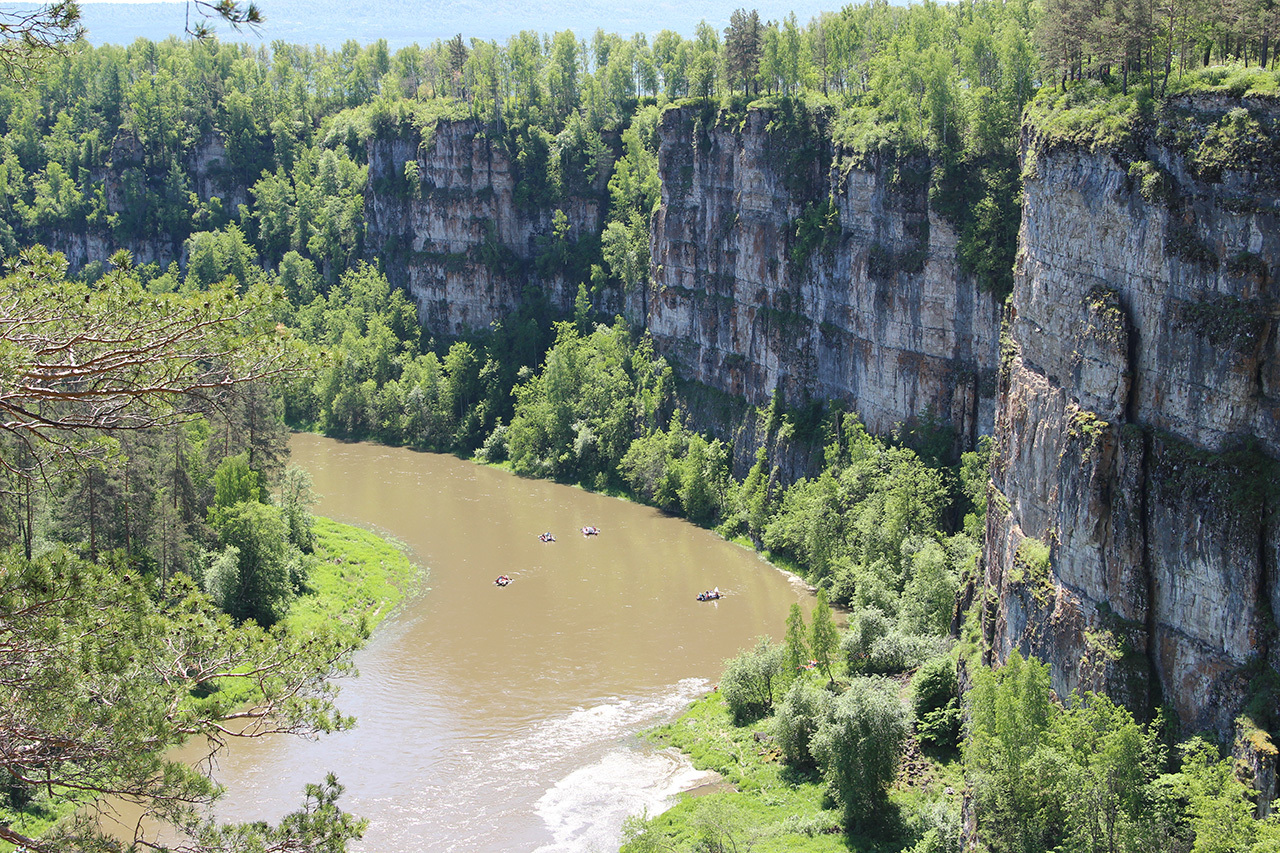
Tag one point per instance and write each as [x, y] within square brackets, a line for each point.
[585, 810]
[553, 740]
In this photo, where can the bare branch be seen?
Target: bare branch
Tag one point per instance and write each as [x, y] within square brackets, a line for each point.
[29, 37]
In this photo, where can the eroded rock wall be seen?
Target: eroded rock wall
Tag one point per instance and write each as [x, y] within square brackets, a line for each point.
[206, 164]
[455, 236]
[1138, 417]
[774, 270]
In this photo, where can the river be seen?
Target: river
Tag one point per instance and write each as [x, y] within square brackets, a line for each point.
[504, 719]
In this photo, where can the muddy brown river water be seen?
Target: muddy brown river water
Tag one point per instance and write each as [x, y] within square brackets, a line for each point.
[504, 719]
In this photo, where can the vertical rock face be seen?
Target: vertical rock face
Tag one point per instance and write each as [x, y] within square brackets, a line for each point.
[205, 164]
[774, 270]
[455, 237]
[1139, 414]
[869, 307]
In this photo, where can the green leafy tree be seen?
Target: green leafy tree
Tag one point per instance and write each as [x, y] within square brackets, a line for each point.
[1100, 761]
[796, 643]
[936, 702]
[576, 418]
[801, 713]
[928, 598]
[1221, 815]
[1010, 716]
[858, 748]
[750, 679]
[742, 44]
[295, 501]
[824, 638]
[267, 567]
[235, 482]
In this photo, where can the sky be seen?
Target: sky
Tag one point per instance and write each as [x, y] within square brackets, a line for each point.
[402, 22]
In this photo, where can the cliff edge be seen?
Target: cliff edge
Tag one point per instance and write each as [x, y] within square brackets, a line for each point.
[1132, 539]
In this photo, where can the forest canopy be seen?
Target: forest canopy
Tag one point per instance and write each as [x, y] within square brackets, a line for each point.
[144, 394]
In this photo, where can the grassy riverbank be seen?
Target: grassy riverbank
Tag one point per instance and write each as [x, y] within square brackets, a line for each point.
[354, 573]
[355, 577]
[762, 805]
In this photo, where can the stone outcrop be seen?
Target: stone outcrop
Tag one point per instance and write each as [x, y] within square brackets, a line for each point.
[1137, 423]
[1256, 758]
[455, 236]
[206, 165]
[776, 271]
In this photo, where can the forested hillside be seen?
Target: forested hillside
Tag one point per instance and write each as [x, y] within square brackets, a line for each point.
[272, 205]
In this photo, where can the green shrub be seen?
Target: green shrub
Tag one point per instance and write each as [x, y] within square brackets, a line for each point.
[749, 680]
[934, 685]
[897, 652]
[938, 827]
[929, 597]
[874, 645]
[1153, 183]
[495, 445]
[800, 713]
[1089, 115]
[865, 627]
[941, 726]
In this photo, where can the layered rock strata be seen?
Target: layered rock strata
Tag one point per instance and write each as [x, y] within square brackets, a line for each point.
[1132, 539]
[446, 222]
[776, 271]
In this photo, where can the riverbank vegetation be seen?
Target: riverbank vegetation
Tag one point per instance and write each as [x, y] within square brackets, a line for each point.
[822, 770]
[163, 578]
[143, 399]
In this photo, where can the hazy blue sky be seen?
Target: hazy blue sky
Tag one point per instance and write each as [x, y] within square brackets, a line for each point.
[401, 22]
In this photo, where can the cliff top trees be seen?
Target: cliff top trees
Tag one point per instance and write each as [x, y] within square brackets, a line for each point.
[1122, 38]
[742, 44]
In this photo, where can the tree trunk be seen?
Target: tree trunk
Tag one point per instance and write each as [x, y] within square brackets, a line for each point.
[27, 534]
[93, 522]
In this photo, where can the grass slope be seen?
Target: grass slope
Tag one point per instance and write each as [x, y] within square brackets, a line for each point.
[354, 573]
[763, 806]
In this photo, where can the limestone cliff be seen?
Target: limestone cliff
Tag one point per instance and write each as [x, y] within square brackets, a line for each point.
[1138, 416]
[205, 164]
[776, 270]
[451, 231]
[773, 269]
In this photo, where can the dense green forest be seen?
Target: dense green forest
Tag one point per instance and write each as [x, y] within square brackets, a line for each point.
[145, 490]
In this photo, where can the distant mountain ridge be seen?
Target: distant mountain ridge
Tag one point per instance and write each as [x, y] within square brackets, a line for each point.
[403, 22]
